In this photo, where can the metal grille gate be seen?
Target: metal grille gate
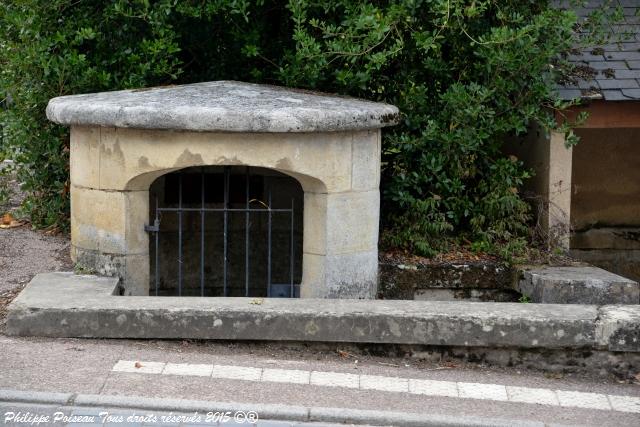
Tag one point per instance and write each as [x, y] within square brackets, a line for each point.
[251, 207]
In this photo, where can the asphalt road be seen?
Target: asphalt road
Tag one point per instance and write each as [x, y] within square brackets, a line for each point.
[90, 367]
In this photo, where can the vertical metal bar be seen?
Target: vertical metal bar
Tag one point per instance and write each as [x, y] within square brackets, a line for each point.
[156, 223]
[180, 234]
[246, 238]
[269, 240]
[202, 234]
[226, 221]
[291, 254]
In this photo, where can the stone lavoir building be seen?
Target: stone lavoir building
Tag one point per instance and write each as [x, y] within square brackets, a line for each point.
[226, 189]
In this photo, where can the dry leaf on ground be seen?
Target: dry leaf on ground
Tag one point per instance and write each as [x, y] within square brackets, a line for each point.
[8, 221]
[345, 354]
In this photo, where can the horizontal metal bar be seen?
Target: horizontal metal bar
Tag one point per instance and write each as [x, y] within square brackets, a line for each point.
[221, 210]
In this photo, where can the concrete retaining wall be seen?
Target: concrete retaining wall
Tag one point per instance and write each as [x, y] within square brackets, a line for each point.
[68, 305]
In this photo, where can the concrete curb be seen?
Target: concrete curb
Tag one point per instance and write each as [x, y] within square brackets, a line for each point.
[265, 411]
[35, 397]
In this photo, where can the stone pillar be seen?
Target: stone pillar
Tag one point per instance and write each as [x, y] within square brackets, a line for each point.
[341, 230]
[558, 214]
[340, 245]
[107, 225]
[551, 162]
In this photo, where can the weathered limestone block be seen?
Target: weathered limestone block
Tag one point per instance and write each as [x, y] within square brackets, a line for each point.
[342, 223]
[106, 221]
[619, 327]
[349, 275]
[366, 160]
[578, 285]
[132, 158]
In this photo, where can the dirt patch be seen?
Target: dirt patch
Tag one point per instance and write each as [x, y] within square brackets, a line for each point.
[5, 299]
[9, 185]
[25, 252]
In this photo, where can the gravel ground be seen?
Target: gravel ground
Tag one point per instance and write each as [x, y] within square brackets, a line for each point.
[25, 253]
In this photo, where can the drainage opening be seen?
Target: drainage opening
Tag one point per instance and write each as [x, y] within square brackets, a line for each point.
[226, 231]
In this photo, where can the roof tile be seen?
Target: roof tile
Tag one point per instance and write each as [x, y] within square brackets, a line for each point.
[614, 95]
[623, 56]
[627, 3]
[585, 56]
[628, 74]
[588, 84]
[631, 93]
[618, 84]
[621, 46]
[603, 65]
[618, 70]
[569, 93]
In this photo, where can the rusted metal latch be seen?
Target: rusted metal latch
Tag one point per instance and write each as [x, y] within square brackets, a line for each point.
[153, 228]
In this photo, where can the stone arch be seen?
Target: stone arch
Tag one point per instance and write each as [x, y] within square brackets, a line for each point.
[264, 248]
[144, 180]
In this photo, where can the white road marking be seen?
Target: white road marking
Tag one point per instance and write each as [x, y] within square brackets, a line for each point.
[188, 369]
[292, 376]
[625, 403]
[335, 379]
[542, 396]
[139, 367]
[579, 399]
[244, 373]
[375, 382]
[464, 390]
[483, 391]
[433, 388]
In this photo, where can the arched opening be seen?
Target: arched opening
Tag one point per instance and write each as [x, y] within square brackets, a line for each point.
[225, 231]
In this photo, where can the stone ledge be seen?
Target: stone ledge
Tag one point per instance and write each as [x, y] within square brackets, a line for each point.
[447, 281]
[68, 305]
[577, 285]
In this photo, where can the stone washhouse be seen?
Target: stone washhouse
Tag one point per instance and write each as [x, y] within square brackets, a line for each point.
[124, 141]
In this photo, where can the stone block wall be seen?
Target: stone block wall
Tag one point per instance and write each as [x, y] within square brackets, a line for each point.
[112, 170]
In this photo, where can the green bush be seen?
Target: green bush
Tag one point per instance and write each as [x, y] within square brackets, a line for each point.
[468, 75]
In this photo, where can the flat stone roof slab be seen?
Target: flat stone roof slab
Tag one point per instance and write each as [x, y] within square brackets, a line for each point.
[222, 106]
